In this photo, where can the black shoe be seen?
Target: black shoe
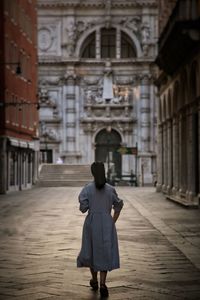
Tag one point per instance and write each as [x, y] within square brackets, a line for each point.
[94, 285]
[104, 291]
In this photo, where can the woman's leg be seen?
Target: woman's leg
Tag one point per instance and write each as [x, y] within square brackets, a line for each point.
[94, 275]
[94, 281]
[103, 275]
[103, 288]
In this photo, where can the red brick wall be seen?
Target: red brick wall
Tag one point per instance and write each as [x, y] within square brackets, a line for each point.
[19, 40]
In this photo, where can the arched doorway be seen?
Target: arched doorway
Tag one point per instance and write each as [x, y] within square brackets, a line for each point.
[107, 144]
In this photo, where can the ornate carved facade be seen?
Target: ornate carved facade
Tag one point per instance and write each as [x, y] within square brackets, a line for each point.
[179, 103]
[96, 79]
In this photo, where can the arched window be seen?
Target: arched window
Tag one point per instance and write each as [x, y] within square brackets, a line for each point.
[108, 43]
[89, 47]
[127, 48]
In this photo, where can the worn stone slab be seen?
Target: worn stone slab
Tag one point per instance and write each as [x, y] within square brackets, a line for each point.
[40, 236]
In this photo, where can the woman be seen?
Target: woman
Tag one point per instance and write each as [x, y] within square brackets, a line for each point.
[99, 249]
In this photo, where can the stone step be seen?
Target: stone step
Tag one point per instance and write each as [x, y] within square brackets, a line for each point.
[64, 175]
[57, 183]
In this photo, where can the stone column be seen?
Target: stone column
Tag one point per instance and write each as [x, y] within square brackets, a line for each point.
[193, 156]
[175, 156]
[145, 113]
[3, 165]
[160, 159]
[182, 153]
[165, 157]
[198, 135]
[169, 157]
[144, 129]
[190, 154]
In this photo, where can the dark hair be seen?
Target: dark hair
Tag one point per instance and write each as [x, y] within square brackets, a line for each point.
[98, 171]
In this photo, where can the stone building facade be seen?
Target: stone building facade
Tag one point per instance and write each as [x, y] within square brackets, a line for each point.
[19, 141]
[179, 101]
[96, 86]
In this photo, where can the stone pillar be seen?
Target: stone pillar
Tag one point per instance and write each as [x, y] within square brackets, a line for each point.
[3, 165]
[193, 192]
[160, 159]
[165, 157]
[198, 135]
[190, 154]
[175, 156]
[182, 153]
[145, 157]
[169, 157]
[145, 113]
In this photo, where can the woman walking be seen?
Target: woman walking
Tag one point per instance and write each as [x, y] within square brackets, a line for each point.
[99, 249]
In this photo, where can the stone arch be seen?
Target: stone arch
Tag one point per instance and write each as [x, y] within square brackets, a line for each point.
[89, 31]
[135, 40]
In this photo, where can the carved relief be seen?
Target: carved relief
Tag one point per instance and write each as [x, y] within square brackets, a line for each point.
[47, 37]
[50, 133]
[132, 23]
[145, 38]
[73, 32]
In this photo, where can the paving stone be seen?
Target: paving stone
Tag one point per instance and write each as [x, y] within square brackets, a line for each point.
[40, 237]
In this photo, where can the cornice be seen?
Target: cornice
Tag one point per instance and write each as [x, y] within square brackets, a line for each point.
[96, 3]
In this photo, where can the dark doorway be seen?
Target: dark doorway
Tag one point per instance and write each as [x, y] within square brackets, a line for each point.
[46, 156]
[107, 144]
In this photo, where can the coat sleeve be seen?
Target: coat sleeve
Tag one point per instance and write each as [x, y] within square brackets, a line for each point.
[83, 200]
[117, 202]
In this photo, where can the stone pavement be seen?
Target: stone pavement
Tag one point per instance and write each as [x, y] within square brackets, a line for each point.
[40, 237]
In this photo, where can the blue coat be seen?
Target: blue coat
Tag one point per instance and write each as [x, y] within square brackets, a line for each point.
[99, 248]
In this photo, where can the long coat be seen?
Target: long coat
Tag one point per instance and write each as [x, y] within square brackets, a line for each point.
[99, 248]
